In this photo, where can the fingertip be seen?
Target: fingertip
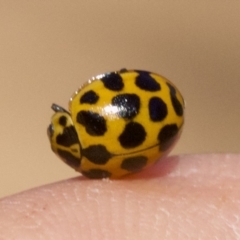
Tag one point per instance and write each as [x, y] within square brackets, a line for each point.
[174, 197]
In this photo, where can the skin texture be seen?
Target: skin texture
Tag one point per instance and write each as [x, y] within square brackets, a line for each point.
[182, 197]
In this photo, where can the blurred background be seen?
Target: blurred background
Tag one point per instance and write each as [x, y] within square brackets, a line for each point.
[49, 48]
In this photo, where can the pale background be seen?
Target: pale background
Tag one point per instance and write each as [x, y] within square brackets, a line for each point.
[49, 48]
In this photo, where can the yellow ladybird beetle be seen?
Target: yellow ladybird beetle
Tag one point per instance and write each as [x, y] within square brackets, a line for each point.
[118, 123]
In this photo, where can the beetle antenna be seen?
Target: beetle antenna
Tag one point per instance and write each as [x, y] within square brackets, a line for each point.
[57, 108]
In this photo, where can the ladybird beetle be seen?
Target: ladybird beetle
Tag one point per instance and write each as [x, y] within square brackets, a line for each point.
[118, 123]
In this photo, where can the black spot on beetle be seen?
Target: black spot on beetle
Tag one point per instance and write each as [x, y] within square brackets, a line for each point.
[146, 82]
[134, 164]
[157, 109]
[63, 121]
[113, 81]
[133, 135]
[97, 154]
[175, 102]
[70, 160]
[128, 105]
[68, 137]
[94, 123]
[96, 173]
[89, 97]
[167, 136]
